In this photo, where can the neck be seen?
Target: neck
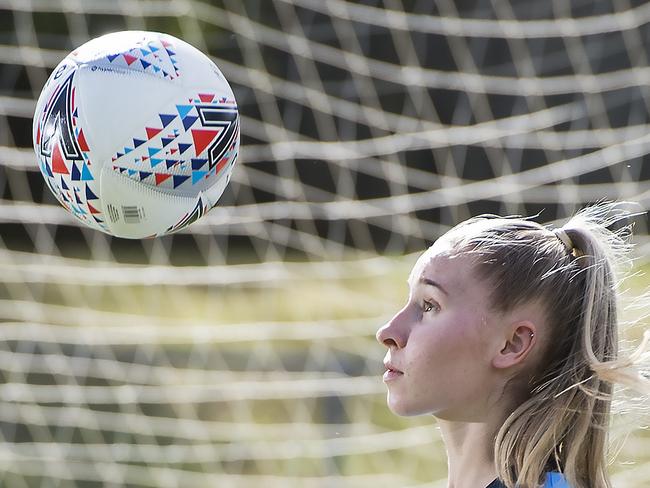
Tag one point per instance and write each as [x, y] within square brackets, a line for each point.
[470, 452]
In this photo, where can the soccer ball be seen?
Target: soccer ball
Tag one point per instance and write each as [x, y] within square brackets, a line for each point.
[136, 133]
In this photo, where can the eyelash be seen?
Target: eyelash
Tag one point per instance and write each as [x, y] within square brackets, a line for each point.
[429, 306]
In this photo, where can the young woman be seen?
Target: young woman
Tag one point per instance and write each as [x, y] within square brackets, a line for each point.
[509, 338]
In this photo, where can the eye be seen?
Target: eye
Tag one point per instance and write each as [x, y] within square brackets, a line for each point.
[429, 306]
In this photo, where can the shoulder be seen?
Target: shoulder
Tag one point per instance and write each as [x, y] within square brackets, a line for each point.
[555, 480]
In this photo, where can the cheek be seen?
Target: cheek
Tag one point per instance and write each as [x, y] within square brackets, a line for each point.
[449, 352]
[437, 373]
[446, 369]
[438, 351]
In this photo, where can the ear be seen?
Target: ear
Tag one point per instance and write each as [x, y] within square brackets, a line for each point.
[517, 345]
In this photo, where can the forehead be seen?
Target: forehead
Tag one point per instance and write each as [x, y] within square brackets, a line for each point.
[452, 270]
[437, 255]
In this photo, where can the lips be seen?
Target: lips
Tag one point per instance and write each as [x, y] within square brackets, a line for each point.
[392, 373]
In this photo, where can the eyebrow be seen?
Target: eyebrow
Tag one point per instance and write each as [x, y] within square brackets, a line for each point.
[429, 282]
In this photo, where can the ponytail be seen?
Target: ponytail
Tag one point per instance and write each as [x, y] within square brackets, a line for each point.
[607, 250]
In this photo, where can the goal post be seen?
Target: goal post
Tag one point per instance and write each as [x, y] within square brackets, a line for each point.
[240, 351]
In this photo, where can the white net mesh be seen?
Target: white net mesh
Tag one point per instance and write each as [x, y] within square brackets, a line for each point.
[240, 352]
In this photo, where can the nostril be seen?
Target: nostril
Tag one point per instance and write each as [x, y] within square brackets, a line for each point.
[389, 342]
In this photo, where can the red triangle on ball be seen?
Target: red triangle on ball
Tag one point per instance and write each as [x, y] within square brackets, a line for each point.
[202, 138]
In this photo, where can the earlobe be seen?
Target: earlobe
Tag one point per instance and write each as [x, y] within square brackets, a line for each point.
[517, 345]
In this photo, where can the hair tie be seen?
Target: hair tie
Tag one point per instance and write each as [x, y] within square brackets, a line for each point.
[564, 238]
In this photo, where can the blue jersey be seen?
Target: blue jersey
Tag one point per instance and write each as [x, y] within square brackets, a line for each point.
[553, 480]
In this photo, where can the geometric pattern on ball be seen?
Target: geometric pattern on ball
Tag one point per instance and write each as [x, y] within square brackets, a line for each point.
[64, 155]
[154, 56]
[189, 147]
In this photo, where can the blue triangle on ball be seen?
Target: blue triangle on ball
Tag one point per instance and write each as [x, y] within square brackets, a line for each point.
[179, 179]
[197, 175]
[111, 57]
[170, 162]
[155, 162]
[144, 174]
[138, 142]
[166, 119]
[153, 150]
[183, 110]
[182, 147]
[89, 194]
[188, 121]
[48, 170]
[76, 174]
[198, 163]
[86, 175]
[165, 141]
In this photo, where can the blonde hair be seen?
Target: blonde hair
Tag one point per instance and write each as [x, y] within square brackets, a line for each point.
[563, 423]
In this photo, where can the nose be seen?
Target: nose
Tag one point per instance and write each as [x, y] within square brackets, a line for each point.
[394, 334]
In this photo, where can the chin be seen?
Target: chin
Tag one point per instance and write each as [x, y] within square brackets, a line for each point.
[395, 406]
[403, 408]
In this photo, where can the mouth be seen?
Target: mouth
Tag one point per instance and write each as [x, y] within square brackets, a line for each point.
[391, 373]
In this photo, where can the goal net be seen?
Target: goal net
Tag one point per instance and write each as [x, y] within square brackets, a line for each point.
[240, 351]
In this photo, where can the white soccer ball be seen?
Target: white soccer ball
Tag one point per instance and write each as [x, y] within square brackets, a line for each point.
[137, 133]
